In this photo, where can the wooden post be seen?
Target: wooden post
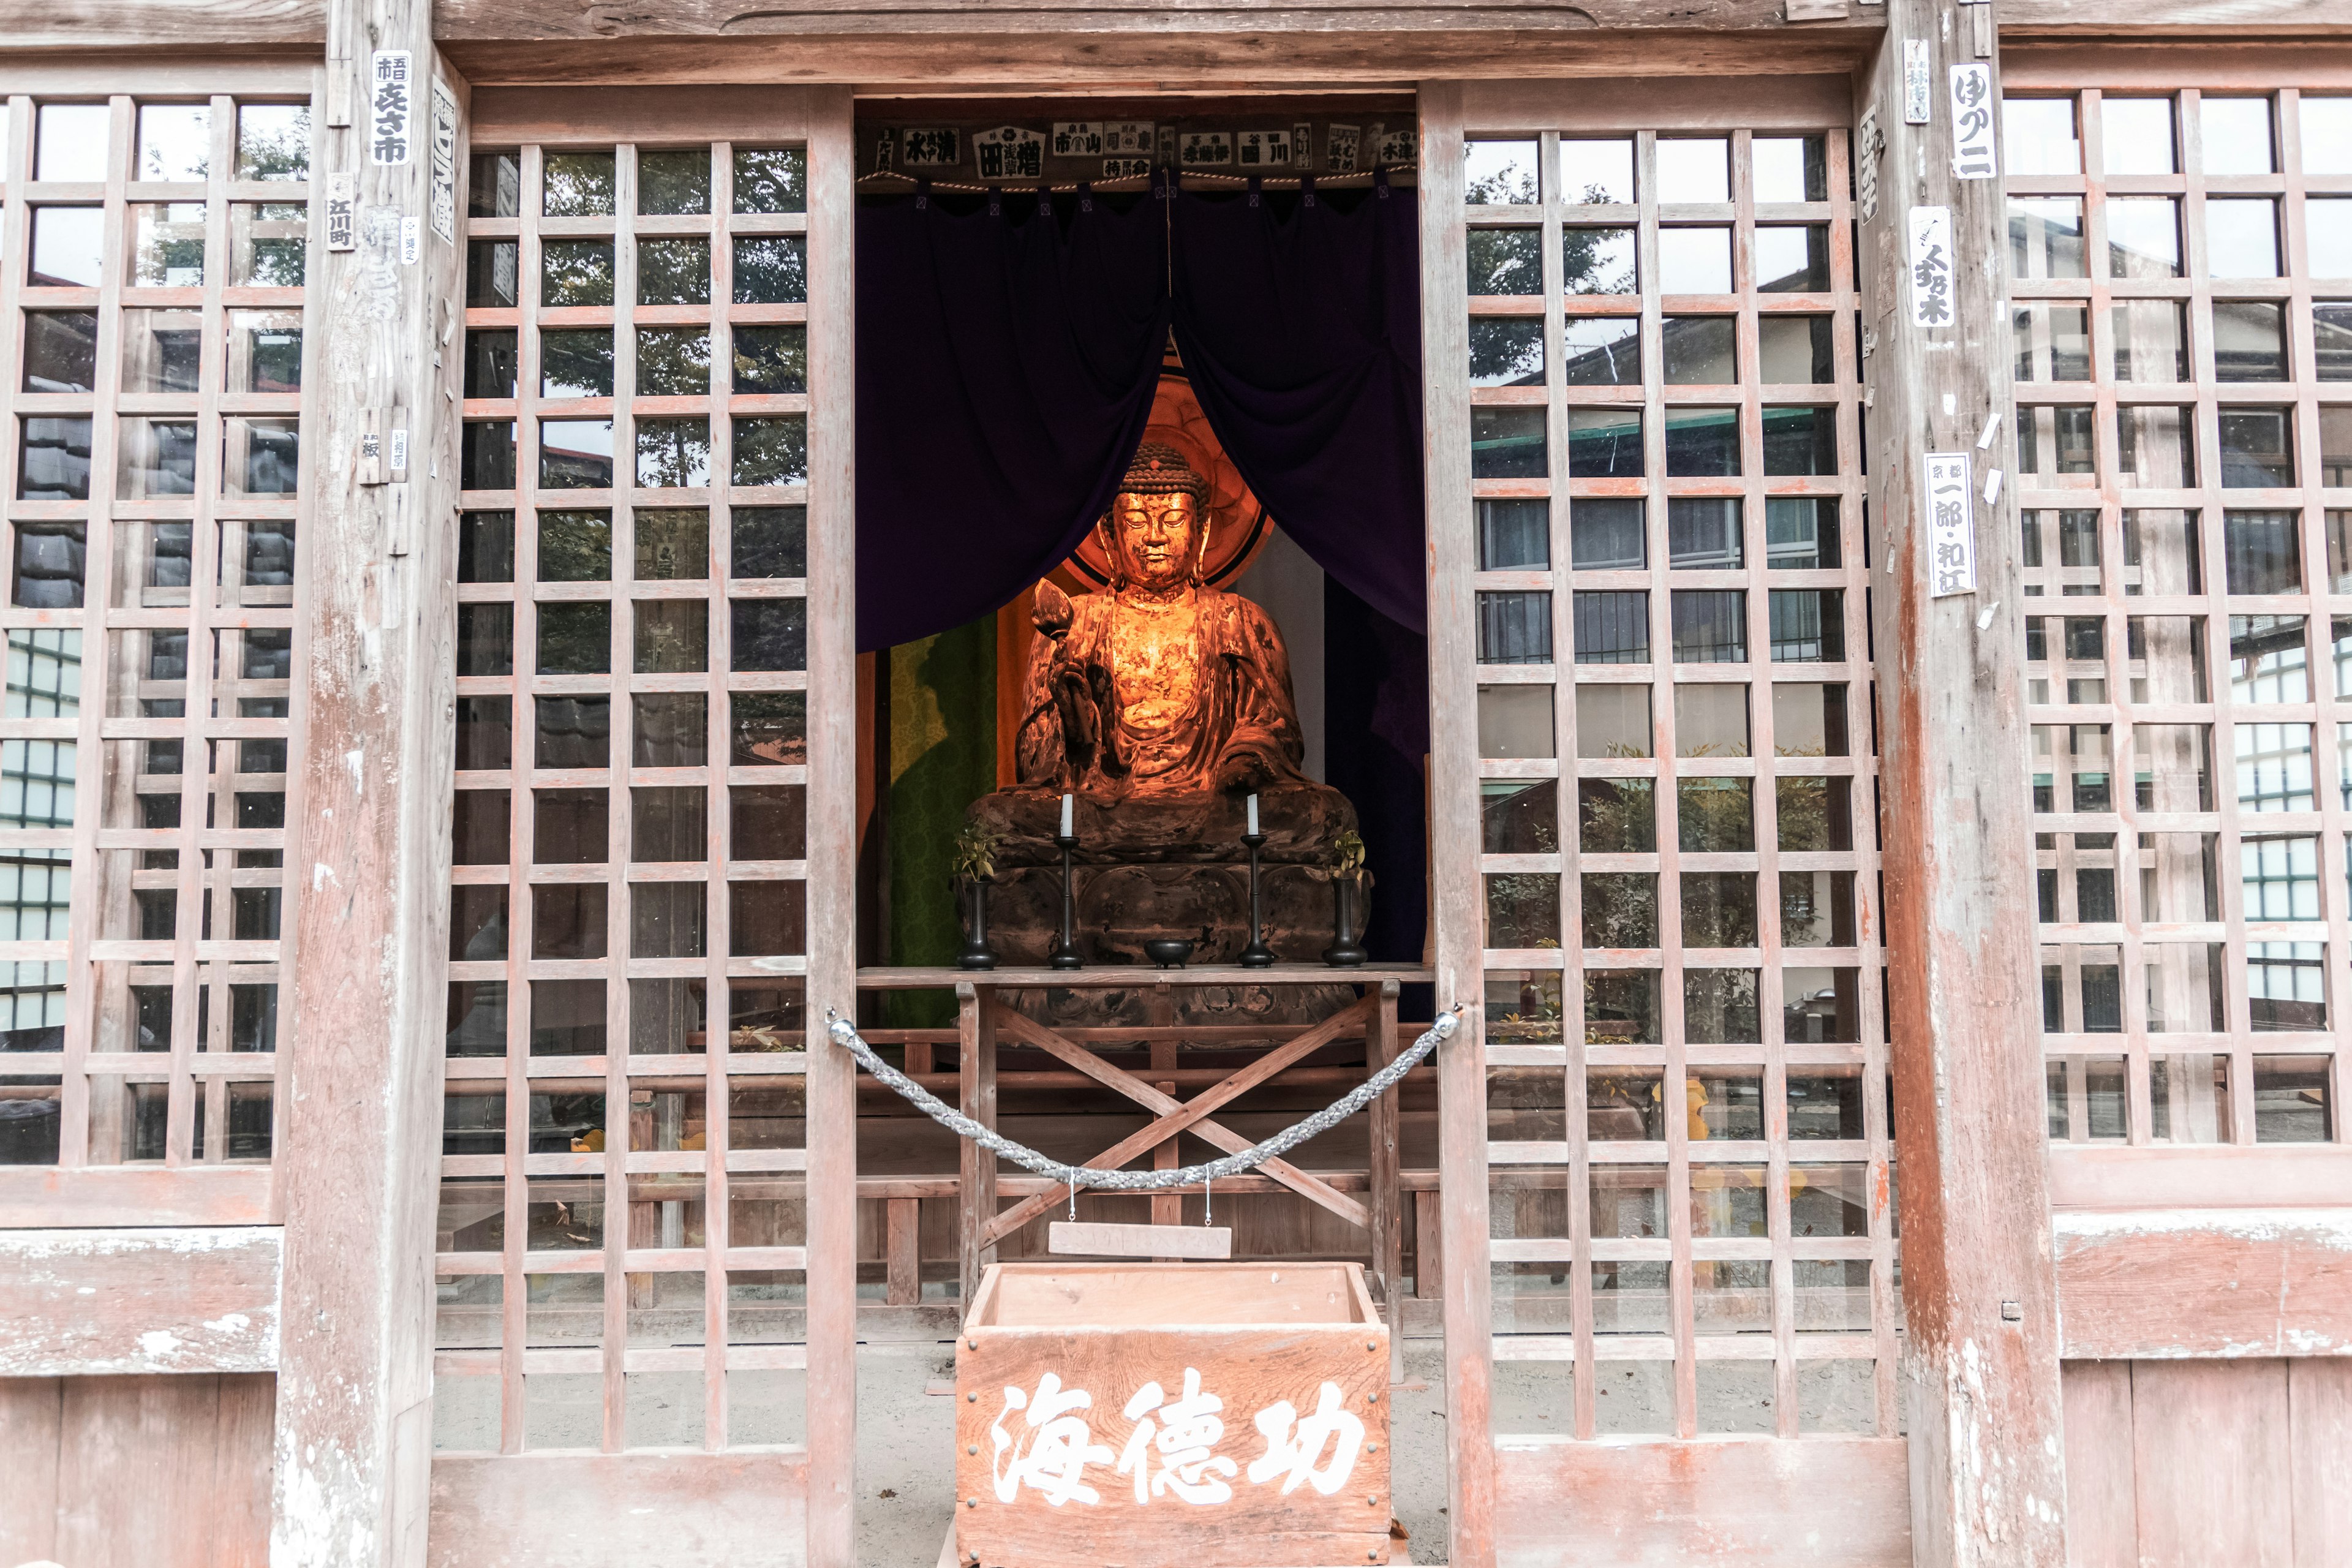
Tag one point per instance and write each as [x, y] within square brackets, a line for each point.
[358, 1160]
[831, 833]
[1382, 1173]
[1453, 843]
[976, 1083]
[1981, 1391]
[902, 1251]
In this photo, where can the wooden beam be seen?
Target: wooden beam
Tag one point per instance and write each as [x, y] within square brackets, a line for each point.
[2189, 1176]
[2168, 1284]
[1011, 62]
[1978, 1292]
[1761, 1502]
[1382, 1172]
[78, 1303]
[901, 1251]
[1457, 901]
[573, 1511]
[2198, 19]
[288, 24]
[33, 1196]
[976, 1081]
[1175, 1117]
[831, 829]
[361, 1075]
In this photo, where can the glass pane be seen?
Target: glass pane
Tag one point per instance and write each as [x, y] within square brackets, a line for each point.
[1599, 350]
[2037, 136]
[2136, 136]
[1692, 168]
[2242, 237]
[1597, 172]
[1500, 173]
[2237, 135]
[1505, 261]
[1695, 261]
[1597, 261]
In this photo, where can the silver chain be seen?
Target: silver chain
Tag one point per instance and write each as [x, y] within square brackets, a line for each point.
[844, 1034]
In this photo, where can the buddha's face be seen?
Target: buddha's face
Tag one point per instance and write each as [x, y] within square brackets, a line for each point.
[1155, 537]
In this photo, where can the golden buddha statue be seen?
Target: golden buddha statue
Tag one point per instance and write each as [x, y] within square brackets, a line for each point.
[1160, 704]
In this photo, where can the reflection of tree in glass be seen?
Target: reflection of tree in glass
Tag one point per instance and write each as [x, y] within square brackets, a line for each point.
[1596, 260]
[1513, 185]
[1523, 909]
[273, 141]
[1508, 352]
[1715, 816]
[1617, 817]
[1506, 260]
[1621, 909]
[1536, 1015]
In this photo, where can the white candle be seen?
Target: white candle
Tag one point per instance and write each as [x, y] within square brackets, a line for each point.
[1069, 802]
[1252, 815]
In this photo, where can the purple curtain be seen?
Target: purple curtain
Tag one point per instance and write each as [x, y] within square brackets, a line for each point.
[1007, 354]
[1298, 315]
[1375, 738]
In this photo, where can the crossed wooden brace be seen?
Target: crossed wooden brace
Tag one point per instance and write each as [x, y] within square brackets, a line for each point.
[1175, 1116]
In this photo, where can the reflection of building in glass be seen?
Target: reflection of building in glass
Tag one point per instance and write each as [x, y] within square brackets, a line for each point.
[36, 792]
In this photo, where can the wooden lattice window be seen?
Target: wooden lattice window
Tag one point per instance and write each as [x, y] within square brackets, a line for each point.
[2181, 266]
[1686, 1091]
[153, 295]
[622, 1232]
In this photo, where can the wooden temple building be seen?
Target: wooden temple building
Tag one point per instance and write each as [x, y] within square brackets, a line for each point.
[1781, 567]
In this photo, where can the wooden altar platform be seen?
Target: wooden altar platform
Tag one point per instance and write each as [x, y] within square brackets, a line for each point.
[984, 1019]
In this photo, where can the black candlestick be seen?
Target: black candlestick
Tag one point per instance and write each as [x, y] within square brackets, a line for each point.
[1256, 955]
[1065, 951]
[976, 954]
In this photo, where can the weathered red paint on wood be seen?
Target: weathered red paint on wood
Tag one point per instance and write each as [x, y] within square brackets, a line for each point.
[742, 1509]
[32, 1196]
[359, 1124]
[2210, 1454]
[87, 1303]
[2169, 1284]
[1254, 1334]
[136, 1471]
[1758, 1502]
[1981, 1363]
[2101, 1502]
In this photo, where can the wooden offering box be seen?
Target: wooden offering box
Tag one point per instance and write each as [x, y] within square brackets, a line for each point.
[1172, 1416]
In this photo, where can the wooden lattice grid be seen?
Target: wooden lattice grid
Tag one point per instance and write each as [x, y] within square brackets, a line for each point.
[704, 1288]
[2222, 786]
[150, 620]
[1837, 1320]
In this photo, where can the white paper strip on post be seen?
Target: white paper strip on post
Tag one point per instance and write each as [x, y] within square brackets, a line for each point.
[343, 206]
[1973, 154]
[1931, 267]
[392, 107]
[443, 203]
[1919, 89]
[1951, 533]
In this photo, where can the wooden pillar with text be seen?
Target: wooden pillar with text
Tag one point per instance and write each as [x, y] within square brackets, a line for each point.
[1980, 1381]
[1454, 838]
[356, 1372]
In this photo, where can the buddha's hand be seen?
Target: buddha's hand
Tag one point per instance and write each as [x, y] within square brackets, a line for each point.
[1053, 614]
[1241, 770]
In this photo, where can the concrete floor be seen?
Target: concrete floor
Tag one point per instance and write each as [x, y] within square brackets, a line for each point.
[906, 1456]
